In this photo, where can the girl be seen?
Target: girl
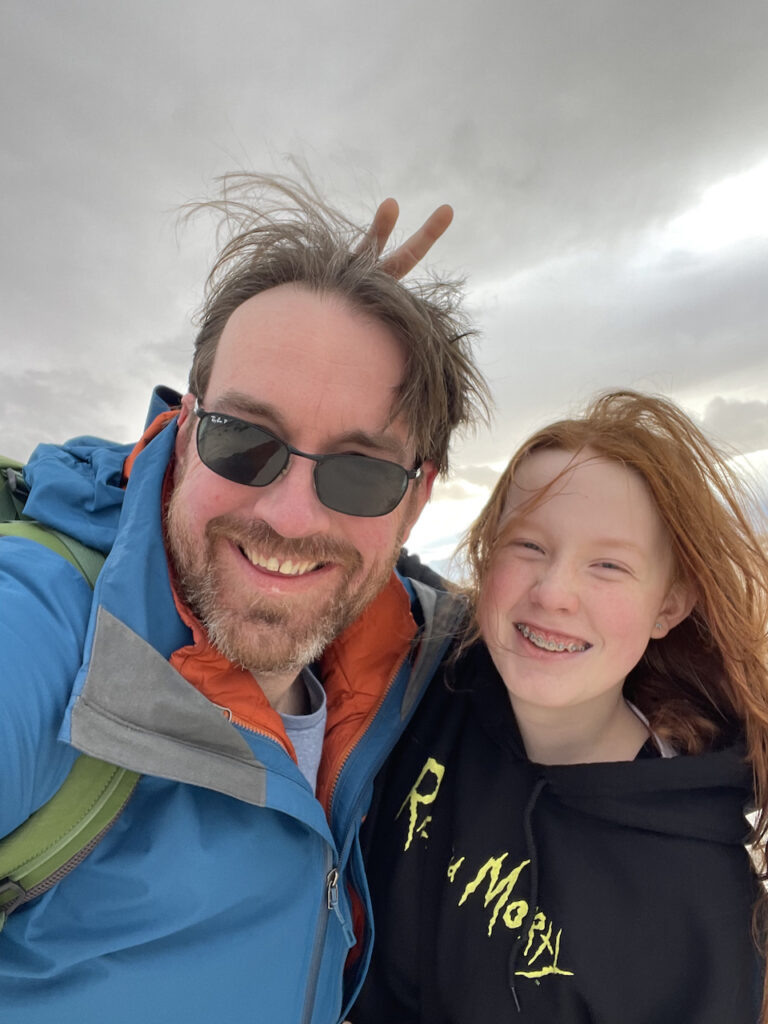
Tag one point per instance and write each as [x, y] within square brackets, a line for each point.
[559, 836]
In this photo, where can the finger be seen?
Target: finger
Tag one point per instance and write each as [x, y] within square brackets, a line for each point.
[403, 259]
[382, 226]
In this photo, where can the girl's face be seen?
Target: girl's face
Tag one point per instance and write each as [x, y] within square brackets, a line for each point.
[581, 583]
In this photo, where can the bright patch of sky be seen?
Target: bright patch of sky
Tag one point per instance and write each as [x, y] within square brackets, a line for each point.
[438, 530]
[733, 210]
[754, 468]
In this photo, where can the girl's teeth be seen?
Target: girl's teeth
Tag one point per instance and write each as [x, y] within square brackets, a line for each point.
[550, 645]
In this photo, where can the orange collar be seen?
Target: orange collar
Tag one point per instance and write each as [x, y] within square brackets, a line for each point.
[158, 423]
[356, 671]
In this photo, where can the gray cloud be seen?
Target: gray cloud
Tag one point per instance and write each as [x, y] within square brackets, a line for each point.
[37, 402]
[688, 327]
[564, 133]
[743, 425]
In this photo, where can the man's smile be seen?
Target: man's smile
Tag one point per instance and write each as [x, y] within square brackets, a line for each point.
[287, 567]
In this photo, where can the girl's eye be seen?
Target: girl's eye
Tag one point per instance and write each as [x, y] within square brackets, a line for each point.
[527, 545]
[610, 566]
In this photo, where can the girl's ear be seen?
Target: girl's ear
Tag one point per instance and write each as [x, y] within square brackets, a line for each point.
[678, 605]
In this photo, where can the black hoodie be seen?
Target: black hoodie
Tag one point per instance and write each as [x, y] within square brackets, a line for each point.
[502, 890]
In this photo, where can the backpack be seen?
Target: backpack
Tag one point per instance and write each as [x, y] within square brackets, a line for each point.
[61, 833]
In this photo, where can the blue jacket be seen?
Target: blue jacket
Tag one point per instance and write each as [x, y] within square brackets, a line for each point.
[225, 889]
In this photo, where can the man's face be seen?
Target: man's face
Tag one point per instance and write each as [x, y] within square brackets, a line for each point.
[272, 573]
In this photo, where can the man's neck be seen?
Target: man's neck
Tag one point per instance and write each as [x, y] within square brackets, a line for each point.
[286, 692]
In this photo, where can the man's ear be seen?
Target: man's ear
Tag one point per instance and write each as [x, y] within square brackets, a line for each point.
[187, 409]
[186, 424]
[677, 605]
[428, 477]
[419, 497]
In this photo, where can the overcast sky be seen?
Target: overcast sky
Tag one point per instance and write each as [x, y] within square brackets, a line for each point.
[607, 161]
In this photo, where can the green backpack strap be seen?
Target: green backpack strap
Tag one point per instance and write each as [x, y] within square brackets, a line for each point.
[61, 833]
[13, 523]
[85, 559]
[58, 836]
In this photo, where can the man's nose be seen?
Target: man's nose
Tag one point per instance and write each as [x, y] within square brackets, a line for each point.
[290, 504]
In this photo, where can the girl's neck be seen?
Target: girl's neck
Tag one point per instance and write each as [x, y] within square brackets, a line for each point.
[586, 734]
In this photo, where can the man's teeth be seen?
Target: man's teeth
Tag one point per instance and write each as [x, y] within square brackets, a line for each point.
[538, 640]
[287, 568]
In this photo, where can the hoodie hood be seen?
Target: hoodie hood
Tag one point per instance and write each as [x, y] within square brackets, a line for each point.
[78, 487]
[701, 797]
[89, 472]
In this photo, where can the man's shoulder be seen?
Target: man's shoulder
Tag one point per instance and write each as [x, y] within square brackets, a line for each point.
[411, 566]
[46, 606]
[439, 607]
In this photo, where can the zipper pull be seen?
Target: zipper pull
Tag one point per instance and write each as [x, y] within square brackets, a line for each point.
[332, 899]
[332, 890]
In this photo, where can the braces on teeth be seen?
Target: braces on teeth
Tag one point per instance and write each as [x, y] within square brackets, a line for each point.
[549, 645]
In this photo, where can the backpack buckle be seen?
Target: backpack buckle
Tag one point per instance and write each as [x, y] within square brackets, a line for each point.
[12, 895]
[16, 482]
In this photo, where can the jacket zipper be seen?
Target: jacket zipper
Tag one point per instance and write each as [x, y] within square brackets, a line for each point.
[330, 895]
[382, 697]
[234, 720]
[318, 947]
[356, 808]
[332, 872]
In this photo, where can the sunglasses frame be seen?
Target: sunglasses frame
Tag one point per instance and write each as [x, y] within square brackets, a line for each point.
[319, 460]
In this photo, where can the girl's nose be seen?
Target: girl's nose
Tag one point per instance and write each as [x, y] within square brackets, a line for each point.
[555, 589]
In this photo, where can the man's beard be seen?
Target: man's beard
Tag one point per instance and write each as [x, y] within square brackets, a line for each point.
[267, 634]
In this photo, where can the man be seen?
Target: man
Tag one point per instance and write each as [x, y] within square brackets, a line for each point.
[250, 561]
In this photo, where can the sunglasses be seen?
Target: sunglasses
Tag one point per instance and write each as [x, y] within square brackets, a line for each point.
[357, 485]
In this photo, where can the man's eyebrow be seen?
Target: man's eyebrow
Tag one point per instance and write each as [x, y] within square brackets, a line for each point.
[235, 403]
[386, 444]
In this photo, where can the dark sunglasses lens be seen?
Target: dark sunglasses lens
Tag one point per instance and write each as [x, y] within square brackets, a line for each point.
[360, 486]
[240, 452]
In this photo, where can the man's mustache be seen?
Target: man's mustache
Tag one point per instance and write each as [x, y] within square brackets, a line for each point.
[256, 534]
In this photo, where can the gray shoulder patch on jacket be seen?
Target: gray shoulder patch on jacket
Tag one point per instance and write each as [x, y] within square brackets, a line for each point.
[135, 710]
